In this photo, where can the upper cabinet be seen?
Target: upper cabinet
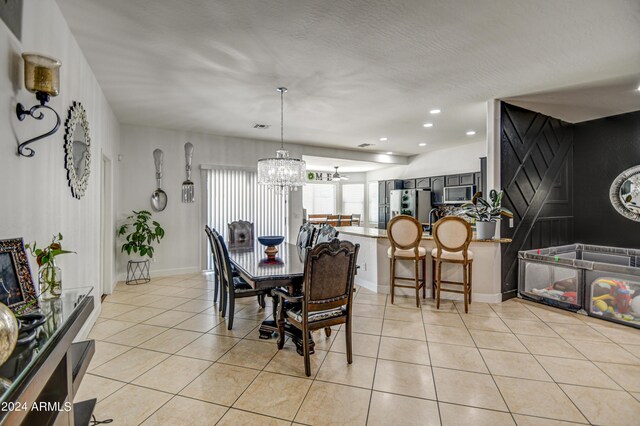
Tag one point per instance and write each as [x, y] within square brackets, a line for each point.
[423, 183]
[452, 180]
[466, 179]
[408, 183]
[461, 179]
[437, 190]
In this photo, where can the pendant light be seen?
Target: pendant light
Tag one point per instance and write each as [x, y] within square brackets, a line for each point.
[282, 172]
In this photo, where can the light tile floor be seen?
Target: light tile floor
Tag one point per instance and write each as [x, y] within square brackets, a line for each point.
[164, 357]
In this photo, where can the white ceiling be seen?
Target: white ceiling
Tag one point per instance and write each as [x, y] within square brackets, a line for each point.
[356, 70]
[325, 164]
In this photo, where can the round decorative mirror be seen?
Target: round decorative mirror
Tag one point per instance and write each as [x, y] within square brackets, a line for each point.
[625, 193]
[77, 148]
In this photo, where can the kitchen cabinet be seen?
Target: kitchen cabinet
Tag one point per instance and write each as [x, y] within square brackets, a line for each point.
[477, 181]
[382, 192]
[423, 183]
[408, 184]
[383, 215]
[452, 180]
[389, 186]
[437, 190]
[466, 179]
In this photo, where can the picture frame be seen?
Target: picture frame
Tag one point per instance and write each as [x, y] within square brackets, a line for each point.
[17, 289]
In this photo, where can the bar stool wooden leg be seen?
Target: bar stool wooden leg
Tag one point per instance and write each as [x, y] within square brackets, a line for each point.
[465, 288]
[424, 277]
[470, 278]
[438, 282]
[417, 281]
[393, 278]
[433, 278]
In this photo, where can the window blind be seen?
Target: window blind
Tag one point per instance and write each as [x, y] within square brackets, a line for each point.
[353, 198]
[319, 198]
[234, 194]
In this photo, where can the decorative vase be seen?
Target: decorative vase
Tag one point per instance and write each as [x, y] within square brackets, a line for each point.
[485, 230]
[8, 332]
[50, 279]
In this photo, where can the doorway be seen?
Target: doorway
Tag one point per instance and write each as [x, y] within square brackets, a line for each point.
[106, 220]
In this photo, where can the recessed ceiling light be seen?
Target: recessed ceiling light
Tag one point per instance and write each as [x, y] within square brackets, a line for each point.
[638, 89]
[389, 153]
[427, 125]
[422, 144]
[383, 139]
[434, 111]
[471, 132]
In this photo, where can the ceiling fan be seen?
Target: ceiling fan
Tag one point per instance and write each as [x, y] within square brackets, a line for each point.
[337, 177]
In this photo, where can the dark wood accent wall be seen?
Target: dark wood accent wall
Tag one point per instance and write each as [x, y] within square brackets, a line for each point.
[603, 149]
[537, 177]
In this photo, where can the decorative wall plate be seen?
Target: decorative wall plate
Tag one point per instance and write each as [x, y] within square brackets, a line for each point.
[625, 193]
[77, 148]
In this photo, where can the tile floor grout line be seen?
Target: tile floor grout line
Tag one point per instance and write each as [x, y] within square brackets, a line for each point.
[433, 377]
[375, 367]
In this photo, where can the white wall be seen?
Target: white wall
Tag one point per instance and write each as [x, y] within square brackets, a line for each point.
[36, 200]
[457, 159]
[181, 249]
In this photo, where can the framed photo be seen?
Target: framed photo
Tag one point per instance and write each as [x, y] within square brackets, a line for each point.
[17, 290]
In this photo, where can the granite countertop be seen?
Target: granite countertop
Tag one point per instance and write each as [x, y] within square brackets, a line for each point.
[362, 231]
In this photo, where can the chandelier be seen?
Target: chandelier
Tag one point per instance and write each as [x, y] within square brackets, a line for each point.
[282, 172]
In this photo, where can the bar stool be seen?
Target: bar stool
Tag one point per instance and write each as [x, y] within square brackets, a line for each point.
[405, 233]
[452, 236]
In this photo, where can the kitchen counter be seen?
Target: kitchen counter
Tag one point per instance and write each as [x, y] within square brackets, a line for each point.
[362, 231]
[375, 269]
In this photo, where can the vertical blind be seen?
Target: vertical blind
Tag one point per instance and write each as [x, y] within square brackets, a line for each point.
[234, 194]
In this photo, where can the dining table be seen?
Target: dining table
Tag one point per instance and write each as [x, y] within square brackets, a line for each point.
[285, 270]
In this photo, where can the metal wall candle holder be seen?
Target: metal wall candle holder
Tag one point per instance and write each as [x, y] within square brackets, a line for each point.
[42, 77]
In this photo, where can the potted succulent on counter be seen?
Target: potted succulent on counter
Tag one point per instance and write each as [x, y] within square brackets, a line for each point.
[485, 213]
[140, 233]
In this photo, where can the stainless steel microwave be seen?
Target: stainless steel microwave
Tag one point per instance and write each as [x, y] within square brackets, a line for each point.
[458, 194]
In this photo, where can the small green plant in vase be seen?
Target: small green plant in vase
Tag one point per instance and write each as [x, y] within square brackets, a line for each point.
[486, 213]
[49, 274]
[140, 234]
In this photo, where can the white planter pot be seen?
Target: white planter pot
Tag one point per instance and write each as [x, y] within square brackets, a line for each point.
[485, 230]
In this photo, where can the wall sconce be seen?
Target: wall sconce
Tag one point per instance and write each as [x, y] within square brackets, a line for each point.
[42, 77]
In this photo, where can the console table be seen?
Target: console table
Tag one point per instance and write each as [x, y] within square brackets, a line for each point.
[39, 380]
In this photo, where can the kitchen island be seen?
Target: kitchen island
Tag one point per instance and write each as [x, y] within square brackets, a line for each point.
[374, 264]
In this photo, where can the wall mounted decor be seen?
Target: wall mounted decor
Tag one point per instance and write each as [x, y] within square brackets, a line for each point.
[16, 285]
[188, 190]
[77, 149]
[625, 193]
[159, 197]
[42, 77]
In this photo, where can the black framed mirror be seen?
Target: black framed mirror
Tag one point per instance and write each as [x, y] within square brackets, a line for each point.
[77, 148]
[625, 193]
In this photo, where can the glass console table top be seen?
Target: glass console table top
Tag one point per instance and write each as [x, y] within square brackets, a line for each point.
[289, 262]
[57, 313]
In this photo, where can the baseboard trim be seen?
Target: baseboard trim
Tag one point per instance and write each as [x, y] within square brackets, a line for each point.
[477, 297]
[122, 276]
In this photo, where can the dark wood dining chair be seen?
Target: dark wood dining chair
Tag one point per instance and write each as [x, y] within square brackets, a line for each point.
[217, 283]
[344, 220]
[333, 220]
[326, 298]
[355, 220]
[233, 285]
[241, 234]
[325, 234]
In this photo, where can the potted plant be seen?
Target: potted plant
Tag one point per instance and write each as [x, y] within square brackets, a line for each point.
[49, 274]
[140, 233]
[486, 213]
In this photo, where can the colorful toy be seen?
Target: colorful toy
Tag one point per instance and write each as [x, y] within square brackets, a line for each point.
[635, 305]
[620, 294]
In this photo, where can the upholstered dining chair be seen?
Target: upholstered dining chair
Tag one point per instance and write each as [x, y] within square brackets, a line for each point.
[305, 235]
[233, 285]
[325, 234]
[405, 233]
[326, 298]
[240, 234]
[452, 236]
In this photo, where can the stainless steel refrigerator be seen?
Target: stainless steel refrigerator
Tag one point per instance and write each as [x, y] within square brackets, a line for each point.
[412, 202]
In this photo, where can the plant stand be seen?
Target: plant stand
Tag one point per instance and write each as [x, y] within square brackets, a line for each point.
[138, 272]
